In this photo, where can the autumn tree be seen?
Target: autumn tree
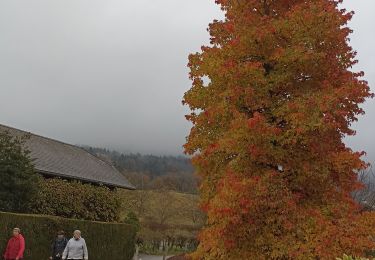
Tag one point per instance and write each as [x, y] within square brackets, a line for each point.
[273, 96]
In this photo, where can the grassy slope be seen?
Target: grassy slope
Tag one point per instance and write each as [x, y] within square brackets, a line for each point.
[163, 214]
[179, 205]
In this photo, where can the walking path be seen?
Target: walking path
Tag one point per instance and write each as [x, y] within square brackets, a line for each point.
[151, 257]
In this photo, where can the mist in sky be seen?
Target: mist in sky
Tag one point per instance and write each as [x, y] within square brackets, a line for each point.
[112, 73]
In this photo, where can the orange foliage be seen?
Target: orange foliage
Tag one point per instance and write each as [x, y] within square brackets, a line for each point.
[268, 130]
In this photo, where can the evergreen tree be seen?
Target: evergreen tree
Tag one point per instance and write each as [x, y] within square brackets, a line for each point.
[18, 181]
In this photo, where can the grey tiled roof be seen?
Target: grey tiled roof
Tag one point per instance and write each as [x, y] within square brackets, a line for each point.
[56, 158]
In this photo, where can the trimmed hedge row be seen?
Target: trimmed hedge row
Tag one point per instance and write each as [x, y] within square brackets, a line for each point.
[104, 240]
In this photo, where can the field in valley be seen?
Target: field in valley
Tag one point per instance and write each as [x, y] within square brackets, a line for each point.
[167, 218]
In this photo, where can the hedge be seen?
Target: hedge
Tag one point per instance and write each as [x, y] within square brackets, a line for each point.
[73, 199]
[104, 240]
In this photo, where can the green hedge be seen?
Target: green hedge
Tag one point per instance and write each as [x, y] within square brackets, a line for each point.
[104, 240]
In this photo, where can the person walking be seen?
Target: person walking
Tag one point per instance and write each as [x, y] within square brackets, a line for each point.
[76, 248]
[58, 246]
[15, 246]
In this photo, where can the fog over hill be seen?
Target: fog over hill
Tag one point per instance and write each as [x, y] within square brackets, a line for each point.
[112, 73]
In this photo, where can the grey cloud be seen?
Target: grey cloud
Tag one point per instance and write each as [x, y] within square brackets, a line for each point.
[112, 73]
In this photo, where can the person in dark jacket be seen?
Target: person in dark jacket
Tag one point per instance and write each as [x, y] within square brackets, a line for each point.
[15, 246]
[58, 246]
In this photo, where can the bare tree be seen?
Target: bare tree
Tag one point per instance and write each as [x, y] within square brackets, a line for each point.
[192, 211]
[366, 196]
[167, 209]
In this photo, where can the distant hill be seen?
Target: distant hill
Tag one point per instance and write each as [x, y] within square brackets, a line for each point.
[151, 172]
[149, 164]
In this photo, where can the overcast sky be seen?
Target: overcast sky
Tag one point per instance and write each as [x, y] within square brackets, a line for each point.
[112, 73]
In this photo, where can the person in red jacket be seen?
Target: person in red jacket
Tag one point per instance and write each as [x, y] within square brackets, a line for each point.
[15, 247]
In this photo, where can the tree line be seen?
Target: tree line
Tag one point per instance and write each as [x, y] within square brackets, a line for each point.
[152, 172]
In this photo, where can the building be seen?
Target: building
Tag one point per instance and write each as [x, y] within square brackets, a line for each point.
[53, 158]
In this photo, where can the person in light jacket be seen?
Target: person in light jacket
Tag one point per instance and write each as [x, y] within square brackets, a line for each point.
[76, 248]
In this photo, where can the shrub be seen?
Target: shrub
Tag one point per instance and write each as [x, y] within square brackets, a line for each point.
[76, 200]
[132, 219]
[18, 180]
[104, 240]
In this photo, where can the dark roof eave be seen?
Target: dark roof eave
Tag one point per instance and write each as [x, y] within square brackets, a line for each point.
[54, 174]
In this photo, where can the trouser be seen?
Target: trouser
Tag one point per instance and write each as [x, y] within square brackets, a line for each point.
[57, 258]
